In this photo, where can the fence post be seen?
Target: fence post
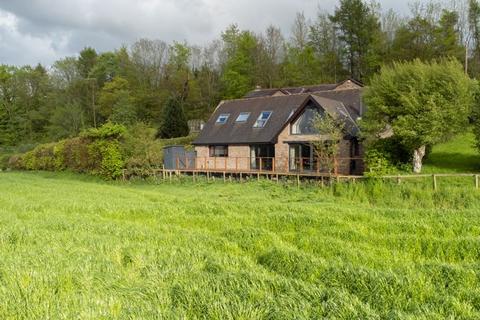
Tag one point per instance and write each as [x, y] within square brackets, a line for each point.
[434, 177]
[477, 181]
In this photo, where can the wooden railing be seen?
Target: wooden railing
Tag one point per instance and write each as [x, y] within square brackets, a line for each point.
[271, 164]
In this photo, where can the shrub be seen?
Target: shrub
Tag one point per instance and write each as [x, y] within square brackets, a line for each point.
[377, 164]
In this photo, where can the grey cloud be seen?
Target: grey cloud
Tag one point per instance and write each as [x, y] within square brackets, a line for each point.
[34, 31]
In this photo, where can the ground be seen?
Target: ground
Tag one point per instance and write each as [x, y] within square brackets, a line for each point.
[458, 155]
[76, 247]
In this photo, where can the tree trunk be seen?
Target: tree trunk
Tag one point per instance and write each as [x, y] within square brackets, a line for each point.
[418, 155]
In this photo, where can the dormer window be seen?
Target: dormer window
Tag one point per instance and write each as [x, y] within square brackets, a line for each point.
[222, 119]
[243, 117]
[262, 119]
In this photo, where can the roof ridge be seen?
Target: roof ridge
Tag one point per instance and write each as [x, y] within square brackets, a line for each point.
[269, 97]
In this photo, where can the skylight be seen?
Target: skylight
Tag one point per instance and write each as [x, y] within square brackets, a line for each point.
[262, 119]
[222, 119]
[243, 117]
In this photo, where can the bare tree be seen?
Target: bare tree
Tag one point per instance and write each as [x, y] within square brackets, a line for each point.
[150, 58]
[300, 31]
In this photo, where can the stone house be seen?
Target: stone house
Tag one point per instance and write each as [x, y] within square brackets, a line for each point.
[271, 130]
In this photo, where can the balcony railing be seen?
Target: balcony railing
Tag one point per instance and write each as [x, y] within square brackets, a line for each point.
[273, 165]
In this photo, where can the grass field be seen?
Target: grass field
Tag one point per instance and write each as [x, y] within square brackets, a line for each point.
[456, 156]
[73, 247]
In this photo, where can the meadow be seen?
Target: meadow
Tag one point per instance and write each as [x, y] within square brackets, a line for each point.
[75, 247]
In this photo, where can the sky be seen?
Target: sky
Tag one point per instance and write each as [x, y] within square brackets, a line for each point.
[42, 31]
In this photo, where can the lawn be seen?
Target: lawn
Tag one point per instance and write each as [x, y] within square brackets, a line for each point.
[458, 155]
[73, 247]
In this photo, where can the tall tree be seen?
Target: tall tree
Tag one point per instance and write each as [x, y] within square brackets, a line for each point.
[359, 30]
[173, 123]
[323, 39]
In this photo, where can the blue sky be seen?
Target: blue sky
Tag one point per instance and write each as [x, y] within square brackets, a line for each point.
[33, 31]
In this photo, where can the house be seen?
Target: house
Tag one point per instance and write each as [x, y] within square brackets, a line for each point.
[195, 125]
[271, 130]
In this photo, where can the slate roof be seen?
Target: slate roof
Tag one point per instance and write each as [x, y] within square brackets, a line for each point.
[351, 99]
[289, 91]
[346, 104]
[244, 133]
[298, 90]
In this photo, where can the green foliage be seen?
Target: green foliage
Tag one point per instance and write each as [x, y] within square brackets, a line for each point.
[237, 251]
[360, 31]
[377, 164]
[422, 104]
[103, 152]
[425, 39]
[106, 158]
[96, 151]
[173, 122]
[107, 131]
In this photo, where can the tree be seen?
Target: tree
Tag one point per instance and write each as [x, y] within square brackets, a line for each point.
[323, 39]
[173, 122]
[110, 94]
[331, 131]
[86, 61]
[238, 74]
[359, 30]
[418, 104]
[426, 39]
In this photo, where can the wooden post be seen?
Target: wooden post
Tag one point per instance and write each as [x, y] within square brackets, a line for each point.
[260, 168]
[434, 177]
[273, 164]
[477, 181]
[258, 176]
[224, 177]
[241, 177]
[298, 180]
[170, 174]
[301, 164]
[277, 179]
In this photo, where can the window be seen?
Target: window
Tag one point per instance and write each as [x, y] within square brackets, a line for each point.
[262, 119]
[218, 151]
[222, 119]
[243, 117]
[304, 123]
[261, 157]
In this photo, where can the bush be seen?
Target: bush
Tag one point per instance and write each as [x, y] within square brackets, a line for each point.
[377, 164]
[103, 152]
[96, 151]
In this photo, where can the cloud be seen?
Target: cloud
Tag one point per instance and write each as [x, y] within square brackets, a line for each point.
[34, 31]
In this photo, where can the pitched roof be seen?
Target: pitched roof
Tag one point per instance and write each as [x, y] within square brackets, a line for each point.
[299, 90]
[232, 132]
[351, 99]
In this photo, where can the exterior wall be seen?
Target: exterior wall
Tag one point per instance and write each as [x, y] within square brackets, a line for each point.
[239, 156]
[282, 151]
[238, 159]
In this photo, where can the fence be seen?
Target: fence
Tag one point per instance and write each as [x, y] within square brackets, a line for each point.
[240, 175]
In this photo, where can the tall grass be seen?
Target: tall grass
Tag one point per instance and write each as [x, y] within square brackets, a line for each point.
[84, 248]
